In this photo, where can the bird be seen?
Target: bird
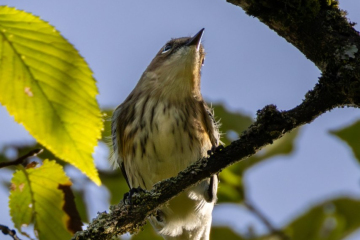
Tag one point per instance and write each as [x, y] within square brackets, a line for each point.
[161, 128]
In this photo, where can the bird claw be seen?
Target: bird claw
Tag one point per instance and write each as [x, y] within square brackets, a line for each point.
[215, 149]
[128, 196]
[219, 148]
[160, 217]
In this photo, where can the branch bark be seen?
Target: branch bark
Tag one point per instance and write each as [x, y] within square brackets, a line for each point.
[20, 160]
[7, 231]
[319, 30]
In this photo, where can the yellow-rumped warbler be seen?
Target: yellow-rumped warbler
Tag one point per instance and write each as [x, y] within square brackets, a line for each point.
[161, 128]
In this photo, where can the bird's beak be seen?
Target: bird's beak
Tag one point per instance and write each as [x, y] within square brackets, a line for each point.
[196, 39]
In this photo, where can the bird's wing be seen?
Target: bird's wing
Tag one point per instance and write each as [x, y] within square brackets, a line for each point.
[211, 126]
[116, 159]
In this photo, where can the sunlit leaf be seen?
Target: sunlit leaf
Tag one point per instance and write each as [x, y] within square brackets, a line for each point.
[331, 220]
[350, 135]
[48, 87]
[21, 149]
[42, 196]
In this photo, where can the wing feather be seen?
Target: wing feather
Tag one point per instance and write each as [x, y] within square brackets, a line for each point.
[116, 159]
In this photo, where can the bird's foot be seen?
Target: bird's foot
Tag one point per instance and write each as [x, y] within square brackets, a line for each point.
[215, 149]
[128, 196]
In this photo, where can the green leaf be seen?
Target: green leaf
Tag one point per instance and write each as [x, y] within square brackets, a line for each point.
[331, 220]
[42, 196]
[350, 135]
[48, 87]
[46, 154]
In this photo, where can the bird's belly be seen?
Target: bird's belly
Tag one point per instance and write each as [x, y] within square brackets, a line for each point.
[167, 145]
[173, 149]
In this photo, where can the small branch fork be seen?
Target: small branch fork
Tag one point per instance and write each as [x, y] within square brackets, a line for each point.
[7, 231]
[21, 159]
[273, 230]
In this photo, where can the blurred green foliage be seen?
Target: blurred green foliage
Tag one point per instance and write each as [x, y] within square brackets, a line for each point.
[350, 135]
[231, 123]
[115, 183]
[331, 220]
[231, 187]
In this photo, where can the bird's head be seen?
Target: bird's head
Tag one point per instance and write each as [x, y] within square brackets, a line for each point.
[176, 68]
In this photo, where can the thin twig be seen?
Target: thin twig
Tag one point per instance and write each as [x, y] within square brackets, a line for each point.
[21, 159]
[273, 230]
[7, 231]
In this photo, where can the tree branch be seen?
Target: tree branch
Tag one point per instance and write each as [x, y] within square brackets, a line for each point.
[21, 159]
[325, 36]
[7, 231]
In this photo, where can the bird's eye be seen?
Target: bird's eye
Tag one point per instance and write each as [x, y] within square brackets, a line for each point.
[166, 48]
